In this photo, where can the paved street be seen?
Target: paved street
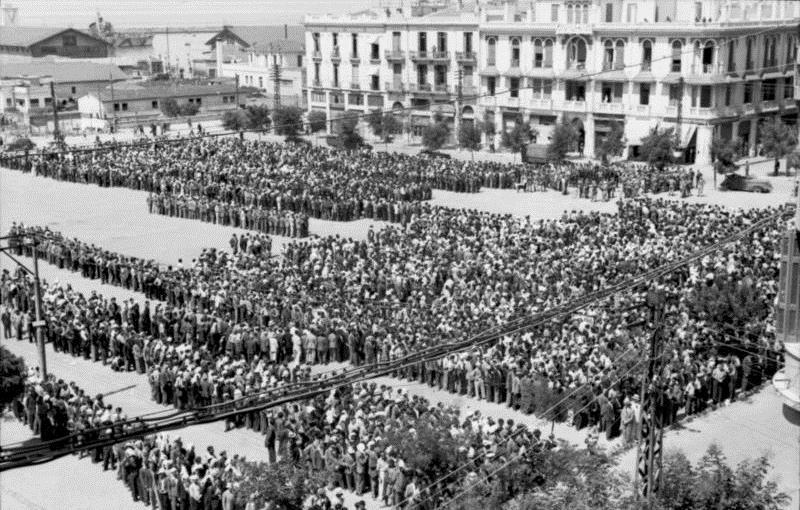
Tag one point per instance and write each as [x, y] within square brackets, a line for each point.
[117, 219]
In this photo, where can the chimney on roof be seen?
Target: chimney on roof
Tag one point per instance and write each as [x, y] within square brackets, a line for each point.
[285, 31]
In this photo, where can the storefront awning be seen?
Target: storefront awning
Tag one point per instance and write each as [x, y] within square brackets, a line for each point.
[574, 75]
[644, 77]
[490, 71]
[541, 72]
[616, 75]
[688, 133]
[513, 72]
[672, 78]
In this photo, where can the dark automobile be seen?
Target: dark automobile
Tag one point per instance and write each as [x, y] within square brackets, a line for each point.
[434, 154]
[736, 182]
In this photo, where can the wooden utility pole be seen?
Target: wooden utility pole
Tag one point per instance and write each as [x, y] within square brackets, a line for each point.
[56, 130]
[236, 89]
[40, 323]
[113, 105]
[276, 73]
[651, 432]
[459, 100]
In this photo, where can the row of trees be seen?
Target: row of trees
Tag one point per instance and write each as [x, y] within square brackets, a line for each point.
[659, 147]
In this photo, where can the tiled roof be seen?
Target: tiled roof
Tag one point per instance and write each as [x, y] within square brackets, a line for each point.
[63, 71]
[288, 39]
[28, 36]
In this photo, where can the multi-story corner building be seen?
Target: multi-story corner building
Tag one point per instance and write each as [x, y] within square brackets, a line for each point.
[394, 59]
[787, 320]
[252, 53]
[711, 68]
[714, 68]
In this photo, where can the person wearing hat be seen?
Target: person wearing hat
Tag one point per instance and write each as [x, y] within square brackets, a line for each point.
[628, 420]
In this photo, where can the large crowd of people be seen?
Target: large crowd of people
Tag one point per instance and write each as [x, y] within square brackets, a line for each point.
[355, 438]
[445, 276]
[275, 188]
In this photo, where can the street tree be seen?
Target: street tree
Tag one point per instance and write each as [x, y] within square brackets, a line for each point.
[235, 120]
[12, 376]
[258, 116]
[659, 146]
[723, 152]
[435, 134]
[778, 140]
[612, 144]
[563, 140]
[469, 136]
[287, 121]
[349, 136]
[317, 121]
[518, 138]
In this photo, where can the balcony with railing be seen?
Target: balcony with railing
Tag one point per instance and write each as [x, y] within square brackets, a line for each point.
[394, 55]
[610, 107]
[355, 58]
[394, 87]
[576, 105]
[466, 57]
[541, 103]
[708, 69]
[420, 88]
[441, 88]
[701, 112]
[429, 56]
[316, 83]
[772, 104]
[336, 55]
[613, 66]
[354, 85]
[316, 55]
[639, 109]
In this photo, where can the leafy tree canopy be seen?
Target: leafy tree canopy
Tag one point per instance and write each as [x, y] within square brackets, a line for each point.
[612, 144]
[317, 120]
[469, 136]
[287, 120]
[659, 146]
[563, 140]
[12, 376]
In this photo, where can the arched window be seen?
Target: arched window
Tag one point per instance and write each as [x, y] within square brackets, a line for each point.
[647, 54]
[619, 54]
[570, 14]
[608, 54]
[548, 53]
[492, 53]
[708, 56]
[576, 54]
[515, 52]
[585, 17]
[538, 53]
[677, 54]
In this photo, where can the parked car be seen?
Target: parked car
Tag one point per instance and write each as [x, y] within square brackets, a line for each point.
[434, 154]
[736, 182]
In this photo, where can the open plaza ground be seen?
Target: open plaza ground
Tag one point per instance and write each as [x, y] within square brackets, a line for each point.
[117, 219]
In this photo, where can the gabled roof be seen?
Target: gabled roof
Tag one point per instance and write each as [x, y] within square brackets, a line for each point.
[28, 36]
[63, 71]
[290, 38]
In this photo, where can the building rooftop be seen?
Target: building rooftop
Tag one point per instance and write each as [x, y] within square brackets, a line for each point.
[61, 71]
[283, 38]
[131, 93]
[28, 36]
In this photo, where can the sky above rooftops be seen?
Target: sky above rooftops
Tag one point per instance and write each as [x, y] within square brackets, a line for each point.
[152, 13]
